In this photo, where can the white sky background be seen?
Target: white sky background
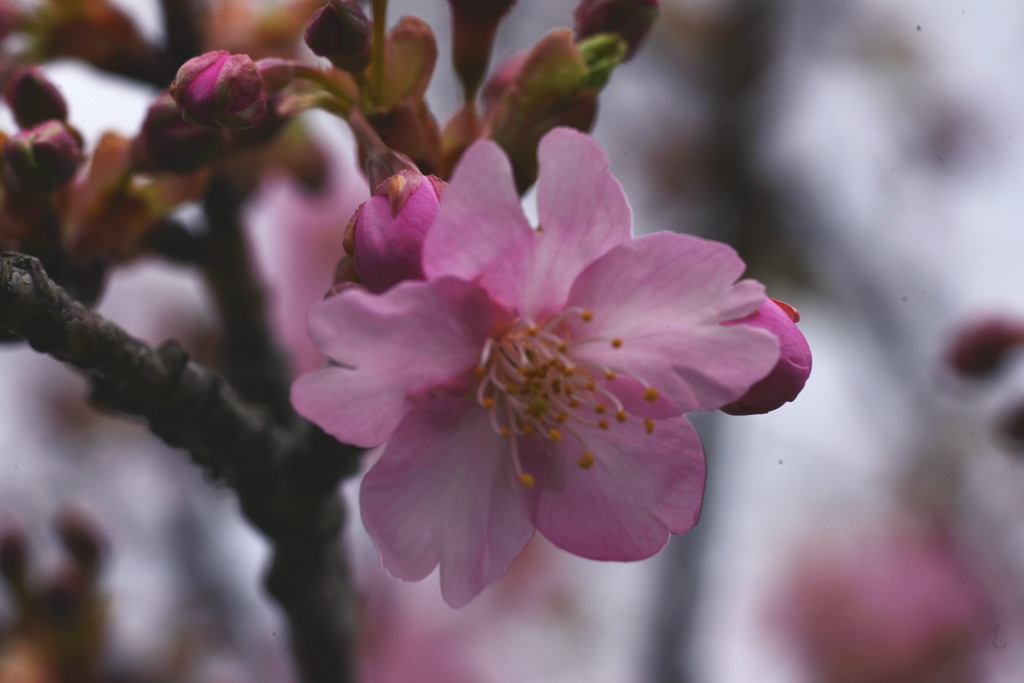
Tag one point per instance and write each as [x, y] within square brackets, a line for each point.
[906, 247]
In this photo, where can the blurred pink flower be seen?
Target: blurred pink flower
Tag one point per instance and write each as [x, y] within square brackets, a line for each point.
[537, 378]
[904, 610]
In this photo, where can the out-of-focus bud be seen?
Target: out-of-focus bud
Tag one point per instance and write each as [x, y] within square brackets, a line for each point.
[43, 158]
[979, 349]
[11, 16]
[81, 539]
[341, 32]
[630, 19]
[219, 89]
[790, 373]
[556, 84]
[13, 555]
[1011, 428]
[386, 233]
[33, 98]
[167, 142]
[474, 23]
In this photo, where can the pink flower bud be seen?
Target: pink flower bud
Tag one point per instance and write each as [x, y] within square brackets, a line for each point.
[167, 142]
[43, 158]
[220, 90]
[787, 378]
[980, 349]
[386, 233]
[33, 98]
[341, 32]
[631, 19]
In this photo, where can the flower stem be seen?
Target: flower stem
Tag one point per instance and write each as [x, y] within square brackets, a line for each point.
[380, 21]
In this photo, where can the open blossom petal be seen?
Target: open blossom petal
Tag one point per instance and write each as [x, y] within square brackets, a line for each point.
[583, 213]
[639, 488]
[480, 233]
[392, 349]
[445, 493]
[668, 314]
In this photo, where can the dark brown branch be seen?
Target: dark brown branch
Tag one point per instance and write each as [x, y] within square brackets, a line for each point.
[253, 362]
[285, 478]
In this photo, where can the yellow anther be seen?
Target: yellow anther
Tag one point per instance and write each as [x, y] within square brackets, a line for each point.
[532, 330]
[562, 347]
[505, 432]
[555, 434]
[586, 460]
[603, 424]
[600, 408]
[487, 402]
[650, 394]
[621, 416]
[573, 403]
[586, 315]
[649, 425]
[609, 375]
[562, 418]
[526, 428]
[480, 371]
[616, 343]
[590, 385]
[511, 388]
[526, 480]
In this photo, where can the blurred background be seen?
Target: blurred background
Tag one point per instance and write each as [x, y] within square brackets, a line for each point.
[866, 158]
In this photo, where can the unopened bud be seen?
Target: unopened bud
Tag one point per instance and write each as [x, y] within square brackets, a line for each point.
[220, 90]
[386, 233]
[11, 17]
[474, 24]
[790, 373]
[1011, 428]
[341, 32]
[81, 539]
[43, 158]
[33, 98]
[980, 349]
[167, 142]
[13, 556]
[630, 19]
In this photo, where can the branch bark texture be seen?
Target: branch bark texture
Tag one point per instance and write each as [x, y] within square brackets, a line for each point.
[285, 475]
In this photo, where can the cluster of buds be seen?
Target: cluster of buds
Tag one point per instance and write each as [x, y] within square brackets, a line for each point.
[45, 154]
[59, 629]
[981, 351]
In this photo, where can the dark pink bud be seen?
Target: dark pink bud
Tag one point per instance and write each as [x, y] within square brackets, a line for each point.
[43, 158]
[631, 19]
[220, 90]
[981, 348]
[341, 32]
[33, 98]
[386, 234]
[474, 24]
[790, 373]
[169, 143]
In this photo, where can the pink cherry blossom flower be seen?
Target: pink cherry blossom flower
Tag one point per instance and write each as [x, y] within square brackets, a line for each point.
[537, 378]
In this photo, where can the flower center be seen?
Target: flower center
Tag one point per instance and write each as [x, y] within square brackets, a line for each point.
[533, 385]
